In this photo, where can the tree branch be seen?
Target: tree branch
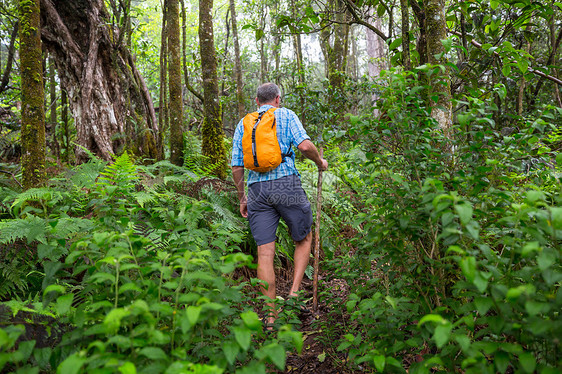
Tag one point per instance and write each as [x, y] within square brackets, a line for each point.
[531, 70]
[358, 20]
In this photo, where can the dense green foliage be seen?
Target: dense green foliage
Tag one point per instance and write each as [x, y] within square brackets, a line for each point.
[131, 279]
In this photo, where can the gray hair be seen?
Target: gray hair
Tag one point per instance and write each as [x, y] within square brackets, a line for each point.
[267, 92]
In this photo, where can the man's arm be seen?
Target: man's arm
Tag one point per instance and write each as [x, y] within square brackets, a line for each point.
[309, 151]
[238, 176]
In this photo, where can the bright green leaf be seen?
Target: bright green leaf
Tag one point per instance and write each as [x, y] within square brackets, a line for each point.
[128, 368]
[442, 334]
[71, 365]
[380, 362]
[468, 267]
[276, 354]
[251, 320]
[243, 337]
[465, 212]
[193, 313]
[153, 353]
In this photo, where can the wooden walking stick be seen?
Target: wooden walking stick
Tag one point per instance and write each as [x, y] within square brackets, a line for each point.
[317, 240]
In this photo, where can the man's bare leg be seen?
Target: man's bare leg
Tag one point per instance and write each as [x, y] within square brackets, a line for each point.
[266, 273]
[302, 255]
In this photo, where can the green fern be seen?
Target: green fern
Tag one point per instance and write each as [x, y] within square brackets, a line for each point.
[31, 228]
[85, 175]
[44, 196]
[122, 173]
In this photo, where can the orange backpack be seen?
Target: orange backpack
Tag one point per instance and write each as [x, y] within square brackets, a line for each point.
[259, 142]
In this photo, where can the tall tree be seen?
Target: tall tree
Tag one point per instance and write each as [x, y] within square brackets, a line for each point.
[174, 79]
[212, 132]
[237, 64]
[436, 31]
[109, 99]
[4, 83]
[33, 95]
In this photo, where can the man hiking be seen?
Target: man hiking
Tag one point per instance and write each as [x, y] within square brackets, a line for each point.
[275, 193]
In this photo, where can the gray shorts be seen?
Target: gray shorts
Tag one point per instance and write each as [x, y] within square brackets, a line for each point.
[270, 200]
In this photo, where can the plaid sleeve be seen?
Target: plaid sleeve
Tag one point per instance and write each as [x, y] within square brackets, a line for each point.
[298, 132]
[237, 155]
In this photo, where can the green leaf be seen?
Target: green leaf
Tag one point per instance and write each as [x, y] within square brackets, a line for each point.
[506, 70]
[528, 362]
[545, 259]
[468, 267]
[442, 334]
[556, 217]
[64, 303]
[523, 65]
[112, 320]
[71, 365]
[128, 368]
[251, 320]
[483, 304]
[464, 211]
[534, 307]
[153, 353]
[322, 357]
[277, 354]
[447, 43]
[395, 44]
[243, 337]
[380, 362]
[230, 350]
[481, 281]
[193, 313]
[42, 356]
[501, 360]
[432, 318]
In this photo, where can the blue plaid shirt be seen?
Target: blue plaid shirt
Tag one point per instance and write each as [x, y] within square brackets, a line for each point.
[289, 132]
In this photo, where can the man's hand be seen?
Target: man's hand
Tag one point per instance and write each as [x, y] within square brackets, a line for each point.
[244, 207]
[324, 165]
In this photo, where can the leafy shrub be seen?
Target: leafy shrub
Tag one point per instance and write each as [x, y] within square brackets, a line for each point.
[459, 250]
[144, 285]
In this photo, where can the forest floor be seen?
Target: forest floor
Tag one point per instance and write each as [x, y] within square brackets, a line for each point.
[317, 356]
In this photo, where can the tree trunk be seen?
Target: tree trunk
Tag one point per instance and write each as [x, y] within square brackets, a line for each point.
[163, 108]
[109, 99]
[53, 109]
[64, 121]
[211, 131]
[334, 41]
[406, 62]
[4, 84]
[237, 65]
[440, 82]
[32, 95]
[174, 76]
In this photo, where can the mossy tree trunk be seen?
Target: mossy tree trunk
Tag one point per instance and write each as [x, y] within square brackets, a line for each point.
[237, 65]
[109, 99]
[440, 82]
[211, 131]
[163, 107]
[334, 42]
[175, 84]
[55, 149]
[32, 95]
[406, 62]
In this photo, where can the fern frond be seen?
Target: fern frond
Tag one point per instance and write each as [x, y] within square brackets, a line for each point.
[122, 173]
[144, 197]
[31, 228]
[42, 194]
[85, 175]
[67, 226]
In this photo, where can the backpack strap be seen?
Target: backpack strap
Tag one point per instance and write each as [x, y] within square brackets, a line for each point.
[254, 153]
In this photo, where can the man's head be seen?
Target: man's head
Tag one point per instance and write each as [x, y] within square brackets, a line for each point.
[268, 93]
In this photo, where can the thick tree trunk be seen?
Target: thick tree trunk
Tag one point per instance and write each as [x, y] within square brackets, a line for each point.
[174, 71]
[237, 65]
[33, 96]
[440, 83]
[211, 131]
[109, 99]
